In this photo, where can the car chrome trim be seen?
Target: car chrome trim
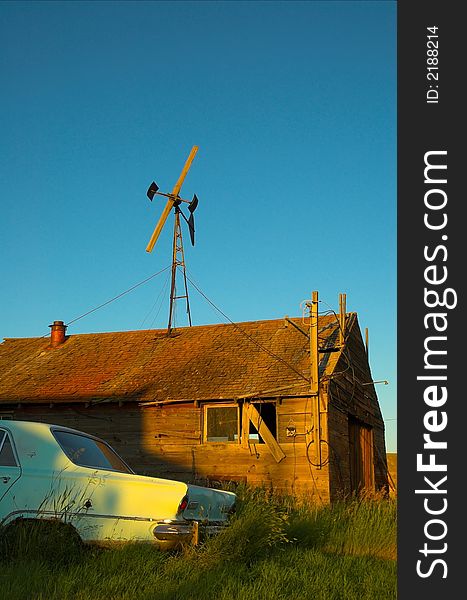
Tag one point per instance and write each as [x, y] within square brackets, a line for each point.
[165, 532]
[174, 531]
[69, 515]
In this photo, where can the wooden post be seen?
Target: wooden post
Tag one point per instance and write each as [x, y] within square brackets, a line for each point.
[342, 317]
[314, 343]
[195, 538]
[245, 432]
[314, 357]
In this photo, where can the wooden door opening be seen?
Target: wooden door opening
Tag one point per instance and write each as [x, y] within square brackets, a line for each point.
[362, 472]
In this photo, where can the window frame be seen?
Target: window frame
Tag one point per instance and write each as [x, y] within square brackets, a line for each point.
[7, 434]
[96, 440]
[209, 405]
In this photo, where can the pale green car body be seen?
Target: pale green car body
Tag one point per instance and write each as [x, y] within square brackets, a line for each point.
[102, 499]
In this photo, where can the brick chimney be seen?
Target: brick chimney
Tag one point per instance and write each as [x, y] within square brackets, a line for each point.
[57, 334]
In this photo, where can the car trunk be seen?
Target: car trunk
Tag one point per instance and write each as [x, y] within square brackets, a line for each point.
[208, 505]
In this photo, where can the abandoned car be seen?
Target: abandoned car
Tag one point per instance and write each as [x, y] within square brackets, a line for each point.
[57, 473]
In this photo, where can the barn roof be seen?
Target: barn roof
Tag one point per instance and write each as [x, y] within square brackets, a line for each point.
[205, 362]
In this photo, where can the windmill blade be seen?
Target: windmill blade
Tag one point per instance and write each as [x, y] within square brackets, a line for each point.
[191, 228]
[157, 231]
[152, 190]
[191, 221]
[170, 203]
[193, 204]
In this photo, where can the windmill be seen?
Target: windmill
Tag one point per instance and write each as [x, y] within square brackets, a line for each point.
[178, 258]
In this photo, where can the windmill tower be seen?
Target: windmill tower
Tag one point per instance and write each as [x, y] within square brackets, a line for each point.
[174, 202]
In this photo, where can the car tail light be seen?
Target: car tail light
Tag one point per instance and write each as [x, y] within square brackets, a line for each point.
[183, 504]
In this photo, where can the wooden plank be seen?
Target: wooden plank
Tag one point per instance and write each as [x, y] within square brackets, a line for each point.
[292, 405]
[264, 432]
[245, 434]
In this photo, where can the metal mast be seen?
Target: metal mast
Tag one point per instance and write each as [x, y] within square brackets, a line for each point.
[178, 260]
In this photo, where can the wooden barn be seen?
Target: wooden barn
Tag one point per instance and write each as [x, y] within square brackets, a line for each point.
[287, 403]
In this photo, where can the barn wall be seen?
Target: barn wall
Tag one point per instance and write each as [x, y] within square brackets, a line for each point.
[340, 478]
[381, 465]
[340, 484]
[166, 442]
[348, 397]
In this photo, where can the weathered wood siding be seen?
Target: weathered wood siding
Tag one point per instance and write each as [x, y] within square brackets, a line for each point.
[340, 484]
[349, 397]
[167, 442]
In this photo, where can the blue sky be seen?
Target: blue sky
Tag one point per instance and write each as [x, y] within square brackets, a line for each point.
[293, 107]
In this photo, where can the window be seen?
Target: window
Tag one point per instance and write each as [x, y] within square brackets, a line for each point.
[88, 452]
[267, 415]
[249, 423]
[221, 423]
[228, 422]
[7, 457]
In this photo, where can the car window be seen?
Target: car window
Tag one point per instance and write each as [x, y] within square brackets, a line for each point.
[87, 452]
[7, 457]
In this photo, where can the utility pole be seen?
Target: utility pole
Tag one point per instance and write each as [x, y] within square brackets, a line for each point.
[314, 358]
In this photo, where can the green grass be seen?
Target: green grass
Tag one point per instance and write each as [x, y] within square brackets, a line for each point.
[275, 548]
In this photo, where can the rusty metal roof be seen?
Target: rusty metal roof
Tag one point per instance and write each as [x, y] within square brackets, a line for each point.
[269, 358]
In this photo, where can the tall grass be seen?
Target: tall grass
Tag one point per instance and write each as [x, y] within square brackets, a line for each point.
[275, 547]
[362, 527]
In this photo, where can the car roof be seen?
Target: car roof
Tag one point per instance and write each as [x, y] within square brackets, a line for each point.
[32, 430]
[37, 427]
